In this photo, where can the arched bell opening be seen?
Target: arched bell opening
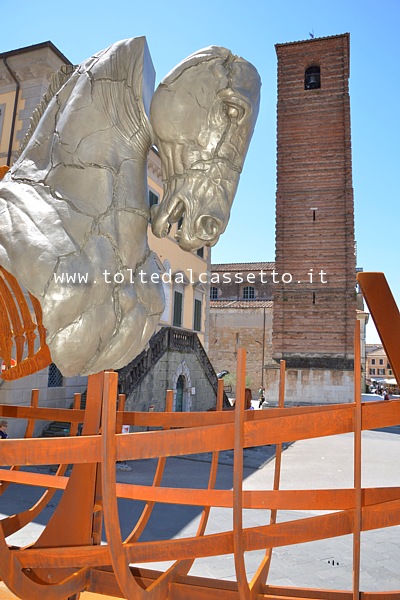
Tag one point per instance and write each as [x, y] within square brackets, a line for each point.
[312, 78]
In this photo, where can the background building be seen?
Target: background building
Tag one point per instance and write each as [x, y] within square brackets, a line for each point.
[310, 322]
[241, 316]
[379, 374]
[314, 299]
[25, 75]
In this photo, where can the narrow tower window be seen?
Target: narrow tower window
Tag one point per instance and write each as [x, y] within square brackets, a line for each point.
[312, 78]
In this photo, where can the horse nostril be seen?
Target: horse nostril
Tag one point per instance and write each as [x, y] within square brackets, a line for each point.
[207, 227]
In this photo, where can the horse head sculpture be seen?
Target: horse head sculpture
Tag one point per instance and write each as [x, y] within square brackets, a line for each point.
[203, 115]
[75, 207]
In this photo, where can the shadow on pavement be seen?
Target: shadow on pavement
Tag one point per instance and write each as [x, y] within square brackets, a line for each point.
[167, 520]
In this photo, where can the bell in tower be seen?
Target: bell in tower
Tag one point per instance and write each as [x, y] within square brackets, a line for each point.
[312, 78]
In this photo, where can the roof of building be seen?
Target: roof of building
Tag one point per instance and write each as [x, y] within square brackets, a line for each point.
[376, 351]
[33, 47]
[253, 266]
[314, 39]
[241, 304]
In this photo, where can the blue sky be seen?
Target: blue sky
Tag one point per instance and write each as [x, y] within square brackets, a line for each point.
[251, 29]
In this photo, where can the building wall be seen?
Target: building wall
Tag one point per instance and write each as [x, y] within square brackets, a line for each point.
[231, 279]
[309, 386]
[19, 392]
[6, 106]
[313, 320]
[378, 366]
[237, 320]
[32, 68]
[248, 327]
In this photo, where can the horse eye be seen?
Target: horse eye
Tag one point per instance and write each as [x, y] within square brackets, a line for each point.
[232, 112]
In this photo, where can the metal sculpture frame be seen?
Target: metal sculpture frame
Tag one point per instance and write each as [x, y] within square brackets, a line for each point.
[68, 557]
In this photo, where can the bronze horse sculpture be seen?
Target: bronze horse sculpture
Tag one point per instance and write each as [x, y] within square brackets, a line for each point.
[75, 204]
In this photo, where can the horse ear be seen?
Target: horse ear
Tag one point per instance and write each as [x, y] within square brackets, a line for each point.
[237, 106]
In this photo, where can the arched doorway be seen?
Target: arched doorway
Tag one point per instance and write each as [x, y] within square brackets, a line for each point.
[181, 384]
[180, 387]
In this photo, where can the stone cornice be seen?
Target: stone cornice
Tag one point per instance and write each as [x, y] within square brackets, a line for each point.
[29, 66]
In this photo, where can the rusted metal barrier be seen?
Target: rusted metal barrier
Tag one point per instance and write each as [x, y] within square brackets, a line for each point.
[68, 557]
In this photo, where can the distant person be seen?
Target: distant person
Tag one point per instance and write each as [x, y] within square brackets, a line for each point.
[262, 397]
[3, 429]
[247, 399]
[386, 396]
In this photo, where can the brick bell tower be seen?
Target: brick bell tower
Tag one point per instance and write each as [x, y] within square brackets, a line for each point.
[314, 295]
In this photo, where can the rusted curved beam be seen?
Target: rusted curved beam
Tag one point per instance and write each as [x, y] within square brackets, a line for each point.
[385, 314]
[239, 545]
[14, 308]
[39, 319]
[3, 171]
[153, 444]
[262, 572]
[29, 428]
[357, 463]
[71, 521]
[205, 419]
[255, 538]
[22, 585]
[117, 554]
[15, 522]
[18, 331]
[148, 509]
[183, 567]
[16, 411]
[28, 324]
[5, 334]
[324, 499]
